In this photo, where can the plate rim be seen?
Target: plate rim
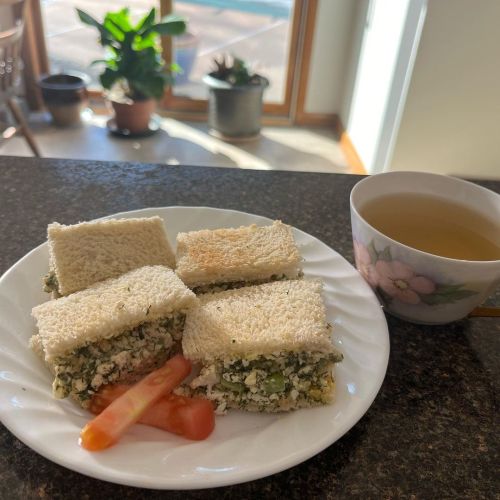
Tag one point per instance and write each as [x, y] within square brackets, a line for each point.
[236, 477]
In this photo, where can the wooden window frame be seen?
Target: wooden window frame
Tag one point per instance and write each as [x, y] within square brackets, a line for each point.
[181, 104]
[291, 111]
[301, 116]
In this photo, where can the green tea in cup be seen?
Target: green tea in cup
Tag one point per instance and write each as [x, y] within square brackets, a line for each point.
[428, 245]
[434, 225]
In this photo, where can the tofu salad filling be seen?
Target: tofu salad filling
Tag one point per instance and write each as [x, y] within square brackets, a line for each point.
[50, 283]
[107, 361]
[276, 382]
[233, 285]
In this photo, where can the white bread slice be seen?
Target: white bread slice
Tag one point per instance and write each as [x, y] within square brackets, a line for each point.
[247, 253]
[282, 316]
[36, 346]
[89, 252]
[108, 308]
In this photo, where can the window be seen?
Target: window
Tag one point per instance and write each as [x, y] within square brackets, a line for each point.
[273, 36]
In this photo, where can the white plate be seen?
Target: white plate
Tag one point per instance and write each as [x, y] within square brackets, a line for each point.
[243, 446]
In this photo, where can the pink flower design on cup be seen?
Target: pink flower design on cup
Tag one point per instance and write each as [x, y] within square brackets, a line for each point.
[364, 264]
[399, 281]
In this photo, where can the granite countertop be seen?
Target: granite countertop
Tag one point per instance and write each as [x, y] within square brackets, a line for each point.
[432, 431]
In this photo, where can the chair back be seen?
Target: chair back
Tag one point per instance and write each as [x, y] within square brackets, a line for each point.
[10, 47]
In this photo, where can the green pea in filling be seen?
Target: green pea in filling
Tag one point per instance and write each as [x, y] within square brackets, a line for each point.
[277, 382]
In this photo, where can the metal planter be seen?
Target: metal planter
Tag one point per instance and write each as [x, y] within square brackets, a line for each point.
[234, 111]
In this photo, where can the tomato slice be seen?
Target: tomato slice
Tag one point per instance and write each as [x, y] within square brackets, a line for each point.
[192, 418]
[107, 428]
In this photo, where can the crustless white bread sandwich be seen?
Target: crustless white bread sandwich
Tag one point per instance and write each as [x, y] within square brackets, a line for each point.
[262, 348]
[222, 259]
[114, 331]
[86, 253]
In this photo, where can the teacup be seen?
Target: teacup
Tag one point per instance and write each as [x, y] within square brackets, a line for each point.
[413, 284]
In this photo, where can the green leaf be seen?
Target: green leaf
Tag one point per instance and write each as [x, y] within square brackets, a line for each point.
[114, 29]
[372, 251]
[135, 57]
[172, 18]
[147, 21]
[152, 86]
[240, 74]
[141, 64]
[120, 19]
[385, 254]
[143, 42]
[448, 297]
[175, 68]
[99, 61]
[88, 19]
[169, 25]
[109, 77]
[106, 36]
[462, 294]
[446, 289]
[111, 52]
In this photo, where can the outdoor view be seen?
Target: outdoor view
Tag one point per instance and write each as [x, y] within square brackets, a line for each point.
[255, 30]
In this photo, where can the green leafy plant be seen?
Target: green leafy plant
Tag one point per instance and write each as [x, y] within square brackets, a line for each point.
[133, 53]
[234, 70]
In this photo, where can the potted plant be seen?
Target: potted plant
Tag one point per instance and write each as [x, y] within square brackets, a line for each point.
[65, 95]
[235, 99]
[135, 74]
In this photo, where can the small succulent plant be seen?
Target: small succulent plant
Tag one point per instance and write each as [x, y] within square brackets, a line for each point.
[234, 70]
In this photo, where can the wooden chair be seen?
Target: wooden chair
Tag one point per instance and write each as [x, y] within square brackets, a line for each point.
[10, 73]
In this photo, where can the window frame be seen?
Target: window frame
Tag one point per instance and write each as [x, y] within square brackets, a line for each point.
[181, 104]
[291, 111]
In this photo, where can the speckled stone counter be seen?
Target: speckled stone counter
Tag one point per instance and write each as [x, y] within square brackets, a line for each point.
[432, 431]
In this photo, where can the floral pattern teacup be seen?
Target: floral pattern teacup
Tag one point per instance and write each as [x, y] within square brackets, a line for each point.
[415, 285]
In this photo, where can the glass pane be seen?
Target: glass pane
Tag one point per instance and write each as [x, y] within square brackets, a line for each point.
[72, 45]
[258, 31]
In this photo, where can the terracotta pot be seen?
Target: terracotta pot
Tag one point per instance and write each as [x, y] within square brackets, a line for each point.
[135, 116]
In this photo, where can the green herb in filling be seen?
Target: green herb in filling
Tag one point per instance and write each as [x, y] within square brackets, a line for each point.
[111, 360]
[269, 383]
[233, 285]
[50, 283]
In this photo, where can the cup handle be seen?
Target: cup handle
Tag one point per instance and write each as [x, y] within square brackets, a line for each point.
[485, 312]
